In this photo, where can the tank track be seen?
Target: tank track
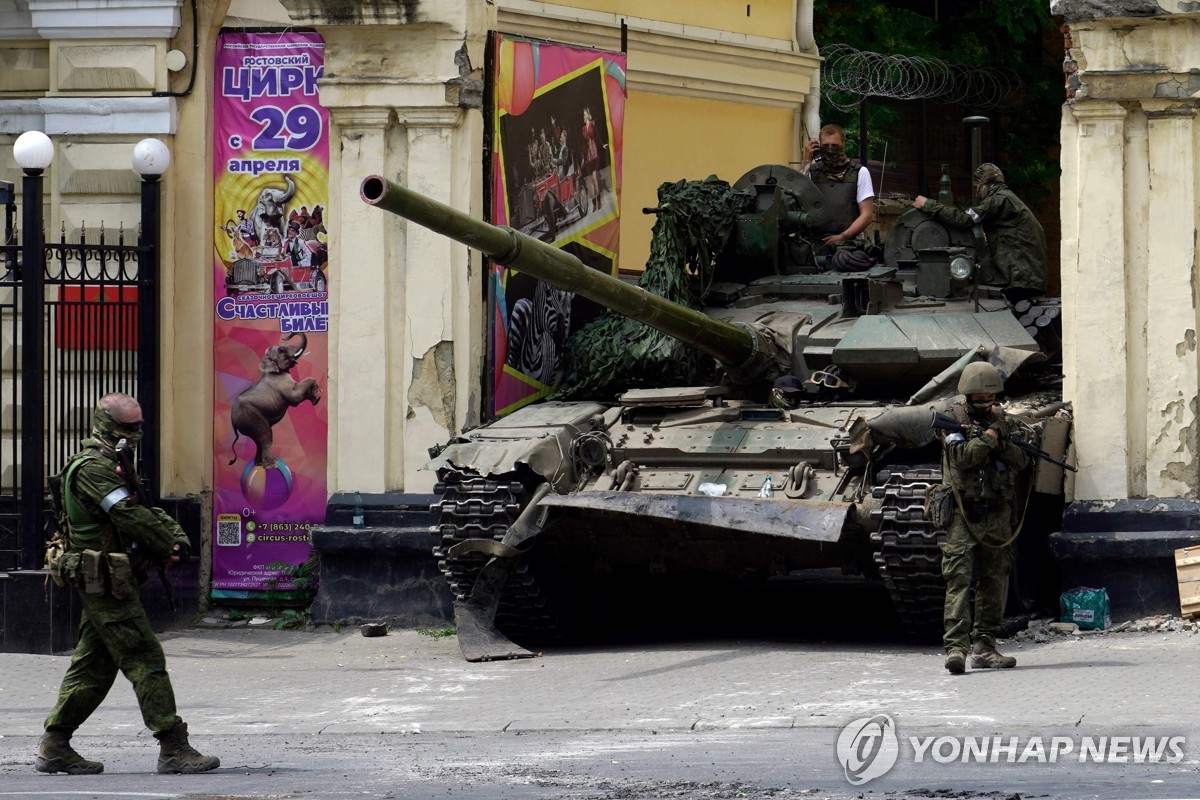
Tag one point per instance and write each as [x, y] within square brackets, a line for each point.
[908, 553]
[474, 507]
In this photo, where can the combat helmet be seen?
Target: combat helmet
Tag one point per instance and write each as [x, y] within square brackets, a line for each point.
[980, 377]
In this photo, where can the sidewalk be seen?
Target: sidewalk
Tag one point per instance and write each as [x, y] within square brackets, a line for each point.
[245, 680]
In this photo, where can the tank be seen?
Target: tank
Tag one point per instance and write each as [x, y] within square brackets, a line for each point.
[805, 441]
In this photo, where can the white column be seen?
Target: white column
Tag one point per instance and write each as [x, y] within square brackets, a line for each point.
[1095, 354]
[433, 268]
[1171, 368]
[361, 283]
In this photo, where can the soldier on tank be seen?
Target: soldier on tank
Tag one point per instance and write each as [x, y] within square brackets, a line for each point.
[111, 539]
[1016, 243]
[848, 193]
[982, 465]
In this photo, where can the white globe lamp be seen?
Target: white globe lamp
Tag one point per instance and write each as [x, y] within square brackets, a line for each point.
[151, 158]
[33, 152]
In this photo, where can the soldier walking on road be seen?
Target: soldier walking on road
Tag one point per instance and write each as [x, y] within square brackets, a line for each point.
[112, 538]
[982, 464]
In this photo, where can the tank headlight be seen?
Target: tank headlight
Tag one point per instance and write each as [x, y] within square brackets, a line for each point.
[960, 268]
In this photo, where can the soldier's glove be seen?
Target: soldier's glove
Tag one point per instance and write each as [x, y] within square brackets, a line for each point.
[181, 551]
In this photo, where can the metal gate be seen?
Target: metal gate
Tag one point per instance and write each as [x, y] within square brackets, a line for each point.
[80, 322]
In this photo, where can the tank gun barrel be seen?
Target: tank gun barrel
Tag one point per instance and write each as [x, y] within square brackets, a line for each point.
[733, 346]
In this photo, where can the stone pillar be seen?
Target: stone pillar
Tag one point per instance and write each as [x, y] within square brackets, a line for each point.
[1094, 351]
[1171, 368]
[435, 276]
[360, 315]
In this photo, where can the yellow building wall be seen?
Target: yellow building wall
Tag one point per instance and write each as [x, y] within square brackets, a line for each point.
[761, 18]
[668, 138]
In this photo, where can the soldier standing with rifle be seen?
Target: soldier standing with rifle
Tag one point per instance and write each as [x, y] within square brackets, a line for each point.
[981, 465]
[112, 538]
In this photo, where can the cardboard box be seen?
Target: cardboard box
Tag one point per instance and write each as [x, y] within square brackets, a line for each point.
[1187, 570]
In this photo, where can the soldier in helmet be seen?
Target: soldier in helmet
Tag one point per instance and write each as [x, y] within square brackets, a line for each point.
[1016, 243]
[982, 464]
[111, 537]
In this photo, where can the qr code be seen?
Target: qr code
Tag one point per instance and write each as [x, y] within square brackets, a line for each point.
[229, 531]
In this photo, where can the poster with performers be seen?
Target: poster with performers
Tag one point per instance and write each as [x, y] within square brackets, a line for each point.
[556, 175]
[271, 266]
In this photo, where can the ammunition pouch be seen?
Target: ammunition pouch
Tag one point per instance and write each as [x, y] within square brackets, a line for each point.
[939, 505]
[69, 566]
[121, 579]
[97, 573]
[91, 572]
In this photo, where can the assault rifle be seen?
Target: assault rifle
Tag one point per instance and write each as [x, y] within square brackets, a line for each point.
[942, 422]
[138, 493]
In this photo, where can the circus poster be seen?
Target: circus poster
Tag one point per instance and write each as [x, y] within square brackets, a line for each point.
[556, 175]
[271, 268]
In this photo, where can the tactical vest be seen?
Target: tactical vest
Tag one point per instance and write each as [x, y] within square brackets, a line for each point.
[991, 480]
[841, 197]
[86, 531]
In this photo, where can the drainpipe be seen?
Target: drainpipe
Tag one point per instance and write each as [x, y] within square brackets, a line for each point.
[810, 111]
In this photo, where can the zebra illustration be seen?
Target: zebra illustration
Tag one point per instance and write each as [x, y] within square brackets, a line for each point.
[537, 333]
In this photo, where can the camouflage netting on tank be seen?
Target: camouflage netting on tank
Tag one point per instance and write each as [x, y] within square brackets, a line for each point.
[614, 353]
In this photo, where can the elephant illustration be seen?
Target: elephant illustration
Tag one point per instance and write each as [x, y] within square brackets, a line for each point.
[268, 211]
[260, 407]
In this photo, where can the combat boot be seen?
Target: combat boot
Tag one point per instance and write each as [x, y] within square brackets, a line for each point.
[55, 754]
[175, 755]
[956, 662]
[985, 656]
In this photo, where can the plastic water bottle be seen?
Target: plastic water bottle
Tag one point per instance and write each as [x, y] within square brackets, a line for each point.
[358, 520]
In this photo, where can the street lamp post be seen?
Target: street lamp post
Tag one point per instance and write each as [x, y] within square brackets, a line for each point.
[150, 159]
[33, 152]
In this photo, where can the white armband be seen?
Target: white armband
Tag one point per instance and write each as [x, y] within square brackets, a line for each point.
[112, 498]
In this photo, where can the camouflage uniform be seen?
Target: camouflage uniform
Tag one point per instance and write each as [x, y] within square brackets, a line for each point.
[1016, 243]
[985, 477]
[114, 633]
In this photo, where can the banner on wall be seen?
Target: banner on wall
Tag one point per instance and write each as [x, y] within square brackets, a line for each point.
[556, 175]
[271, 277]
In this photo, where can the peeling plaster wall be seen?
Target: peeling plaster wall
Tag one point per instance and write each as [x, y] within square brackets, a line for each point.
[404, 86]
[1131, 189]
[432, 386]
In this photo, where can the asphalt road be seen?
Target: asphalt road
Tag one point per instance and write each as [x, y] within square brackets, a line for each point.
[325, 714]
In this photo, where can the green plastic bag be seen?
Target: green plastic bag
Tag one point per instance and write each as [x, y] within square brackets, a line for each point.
[1087, 608]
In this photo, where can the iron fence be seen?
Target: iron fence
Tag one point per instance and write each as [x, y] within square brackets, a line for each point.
[81, 324]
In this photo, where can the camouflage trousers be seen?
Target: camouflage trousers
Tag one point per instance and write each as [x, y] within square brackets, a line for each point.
[963, 558]
[115, 635]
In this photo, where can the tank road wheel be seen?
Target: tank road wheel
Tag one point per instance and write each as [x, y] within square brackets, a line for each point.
[908, 551]
[474, 507]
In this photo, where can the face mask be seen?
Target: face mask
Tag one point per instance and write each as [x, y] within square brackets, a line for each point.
[982, 407]
[832, 152]
[109, 431]
[132, 436]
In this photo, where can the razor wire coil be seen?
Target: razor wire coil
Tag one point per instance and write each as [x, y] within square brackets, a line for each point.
[850, 75]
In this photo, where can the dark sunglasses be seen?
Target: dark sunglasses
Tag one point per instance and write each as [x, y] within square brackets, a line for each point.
[132, 426]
